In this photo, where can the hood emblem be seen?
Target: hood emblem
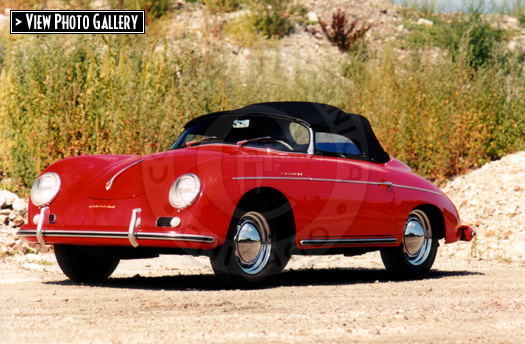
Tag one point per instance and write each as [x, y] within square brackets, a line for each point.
[102, 206]
[291, 174]
[110, 182]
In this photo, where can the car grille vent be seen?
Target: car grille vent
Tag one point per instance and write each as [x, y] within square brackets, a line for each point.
[52, 218]
[164, 221]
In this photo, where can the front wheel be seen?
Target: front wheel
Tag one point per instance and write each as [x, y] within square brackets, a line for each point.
[416, 255]
[251, 254]
[81, 265]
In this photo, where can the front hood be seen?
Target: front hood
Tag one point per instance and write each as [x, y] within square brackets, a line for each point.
[133, 176]
[120, 179]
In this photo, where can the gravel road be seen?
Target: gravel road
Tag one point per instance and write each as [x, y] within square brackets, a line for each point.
[316, 300]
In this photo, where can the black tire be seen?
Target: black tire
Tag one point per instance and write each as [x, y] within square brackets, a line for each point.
[80, 265]
[233, 264]
[415, 256]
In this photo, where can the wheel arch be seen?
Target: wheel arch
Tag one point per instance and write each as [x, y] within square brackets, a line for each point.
[273, 204]
[436, 218]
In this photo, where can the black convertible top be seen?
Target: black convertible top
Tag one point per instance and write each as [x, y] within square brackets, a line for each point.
[318, 116]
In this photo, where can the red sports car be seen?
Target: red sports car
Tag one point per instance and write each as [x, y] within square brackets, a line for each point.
[248, 188]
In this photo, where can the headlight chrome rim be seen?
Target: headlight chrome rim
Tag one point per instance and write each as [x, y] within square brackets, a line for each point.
[37, 197]
[177, 199]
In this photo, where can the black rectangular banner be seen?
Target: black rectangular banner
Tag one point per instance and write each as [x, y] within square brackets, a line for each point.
[45, 22]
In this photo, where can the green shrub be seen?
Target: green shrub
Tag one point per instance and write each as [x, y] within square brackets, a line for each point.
[449, 31]
[101, 95]
[273, 18]
[442, 118]
[221, 5]
[424, 8]
[517, 9]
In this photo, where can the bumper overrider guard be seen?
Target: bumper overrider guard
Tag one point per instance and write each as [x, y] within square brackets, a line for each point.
[131, 234]
[467, 233]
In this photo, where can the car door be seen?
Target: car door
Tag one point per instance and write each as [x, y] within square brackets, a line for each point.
[350, 198]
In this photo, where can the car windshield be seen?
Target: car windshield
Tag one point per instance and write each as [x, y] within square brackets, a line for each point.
[248, 130]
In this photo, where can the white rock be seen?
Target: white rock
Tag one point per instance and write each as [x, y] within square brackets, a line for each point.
[100, 4]
[20, 206]
[31, 257]
[312, 16]
[512, 45]
[4, 21]
[33, 266]
[9, 197]
[425, 22]
[8, 241]
[2, 200]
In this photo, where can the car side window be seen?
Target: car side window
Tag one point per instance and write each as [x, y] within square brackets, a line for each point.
[269, 132]
[338, 144]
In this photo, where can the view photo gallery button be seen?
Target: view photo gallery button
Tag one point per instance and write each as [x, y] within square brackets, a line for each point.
[49, 22]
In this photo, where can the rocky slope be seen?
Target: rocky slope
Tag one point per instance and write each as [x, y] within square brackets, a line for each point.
[492, 200]
[13, 214]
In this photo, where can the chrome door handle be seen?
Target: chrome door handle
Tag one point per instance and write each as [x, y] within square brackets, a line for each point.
[385, 184]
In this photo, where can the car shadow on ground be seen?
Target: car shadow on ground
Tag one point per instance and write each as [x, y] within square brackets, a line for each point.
[289, 278]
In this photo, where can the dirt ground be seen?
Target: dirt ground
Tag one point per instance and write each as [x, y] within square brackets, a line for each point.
[316, 300]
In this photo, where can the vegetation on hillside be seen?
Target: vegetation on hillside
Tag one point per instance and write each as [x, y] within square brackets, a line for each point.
[63, 96]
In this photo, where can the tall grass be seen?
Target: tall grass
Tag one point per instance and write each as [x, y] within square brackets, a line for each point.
[63, 96]
[443, 118]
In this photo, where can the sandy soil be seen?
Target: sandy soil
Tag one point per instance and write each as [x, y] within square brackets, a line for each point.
[317, 299]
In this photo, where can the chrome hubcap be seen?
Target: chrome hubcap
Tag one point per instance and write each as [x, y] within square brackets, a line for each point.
[252, 243]
[417, 238]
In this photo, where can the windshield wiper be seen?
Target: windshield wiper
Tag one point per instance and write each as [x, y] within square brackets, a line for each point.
[191, 143]
[243, 142]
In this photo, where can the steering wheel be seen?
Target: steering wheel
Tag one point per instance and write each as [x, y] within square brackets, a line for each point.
[284, 144]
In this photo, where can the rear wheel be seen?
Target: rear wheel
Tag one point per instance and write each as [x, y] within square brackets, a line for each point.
[80, 265]
[416, 255]
[252, 252]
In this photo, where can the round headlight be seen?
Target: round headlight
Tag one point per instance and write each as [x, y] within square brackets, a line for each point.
[45, 189]
[185, 191]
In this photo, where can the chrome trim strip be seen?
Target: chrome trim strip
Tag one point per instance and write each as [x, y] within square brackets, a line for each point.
[122, 235]
[387, 184]
[44, 214]
[134, 223]
[86, 234]
[176, 237]
[22, 233]
[344, 181]
[310, 150]
[348, 242]
[250, 147]
[417, 189]
[272, 178]
[109, 184]
[309, 179]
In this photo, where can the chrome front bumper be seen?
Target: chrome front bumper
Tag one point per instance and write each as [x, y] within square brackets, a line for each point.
[132, 235]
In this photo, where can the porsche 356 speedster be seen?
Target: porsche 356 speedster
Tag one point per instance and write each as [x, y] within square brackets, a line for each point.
[248, 188]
